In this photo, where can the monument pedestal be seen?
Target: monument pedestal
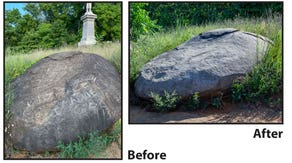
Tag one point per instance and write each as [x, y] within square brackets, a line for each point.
[88, 36]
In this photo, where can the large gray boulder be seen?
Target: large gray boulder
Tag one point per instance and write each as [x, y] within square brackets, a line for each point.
[207, 63]
[64, 96]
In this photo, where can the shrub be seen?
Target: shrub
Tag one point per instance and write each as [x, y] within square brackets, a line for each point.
[166, 102]
[140, 21]
[108, 21]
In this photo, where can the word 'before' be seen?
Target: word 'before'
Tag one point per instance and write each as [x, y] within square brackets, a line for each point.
[145, 155]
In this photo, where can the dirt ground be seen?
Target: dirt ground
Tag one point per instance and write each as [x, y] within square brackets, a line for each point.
[230, 113]
[113, 151]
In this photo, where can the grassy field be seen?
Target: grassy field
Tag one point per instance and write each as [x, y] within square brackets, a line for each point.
[17, 63]
[264, 81]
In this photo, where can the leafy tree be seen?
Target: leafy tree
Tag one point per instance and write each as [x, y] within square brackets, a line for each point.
[34, 11]
[140, 22]
[196, 13]
[11, 22]
[47, 25]
[108, 22]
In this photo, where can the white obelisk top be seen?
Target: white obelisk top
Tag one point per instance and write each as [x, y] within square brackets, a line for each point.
[88, 7]
[88, 35]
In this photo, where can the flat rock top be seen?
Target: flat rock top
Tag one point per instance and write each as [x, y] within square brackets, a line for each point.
[207, 62]
[217, 33]
[64, 55]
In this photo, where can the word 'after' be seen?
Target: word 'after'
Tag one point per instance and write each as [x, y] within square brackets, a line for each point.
[266, 133]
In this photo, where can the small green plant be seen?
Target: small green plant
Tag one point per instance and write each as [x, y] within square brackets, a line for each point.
[92, 146]
[166, 102]
[237, 92]
[216, 102]
[140, 22]
[193, 102]
[47, 154]
[274, 102]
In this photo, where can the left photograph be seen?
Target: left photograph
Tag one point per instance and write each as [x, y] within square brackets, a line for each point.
[63, 87]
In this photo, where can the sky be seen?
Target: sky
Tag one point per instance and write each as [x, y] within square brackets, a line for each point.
[19, 6]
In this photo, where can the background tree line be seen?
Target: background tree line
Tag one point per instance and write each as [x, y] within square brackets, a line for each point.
[49, 25]
[149, 17]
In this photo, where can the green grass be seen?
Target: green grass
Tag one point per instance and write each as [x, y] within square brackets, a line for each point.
[264, 81]
[91, 147]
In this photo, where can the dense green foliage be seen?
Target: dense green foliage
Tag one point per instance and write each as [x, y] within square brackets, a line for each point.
[151, 16]
[140, 22]
[108, 21]
[91, 147]
[50, 25]
[197, 13]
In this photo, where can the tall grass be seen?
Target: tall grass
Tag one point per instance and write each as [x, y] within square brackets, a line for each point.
[266, 79]
[149, 46]
[17, 63]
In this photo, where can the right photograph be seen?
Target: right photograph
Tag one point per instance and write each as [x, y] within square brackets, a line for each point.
[206, 63]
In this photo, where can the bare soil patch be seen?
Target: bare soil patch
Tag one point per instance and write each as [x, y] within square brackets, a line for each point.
[230, 113]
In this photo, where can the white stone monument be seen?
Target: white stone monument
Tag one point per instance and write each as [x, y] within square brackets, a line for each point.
[88, 37]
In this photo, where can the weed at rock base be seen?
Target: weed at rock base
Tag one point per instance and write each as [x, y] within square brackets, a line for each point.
[164, 103]
[216, 102]
[192, 103]
[93, 146]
